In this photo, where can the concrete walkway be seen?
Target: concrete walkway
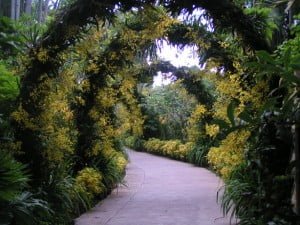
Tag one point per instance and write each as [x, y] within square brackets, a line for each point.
[160, 191]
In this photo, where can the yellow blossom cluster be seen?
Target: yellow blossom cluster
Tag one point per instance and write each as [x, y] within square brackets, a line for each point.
[225, 157]
[230, 153]
[106, 97]
[42, 55]
[212, 130]
[121, 163]
[171, 148]
[258, 94]
[55, 122]
[199, 111]
[107, 113]
[224, 44]
[22, 118]
[90, 180]
[231, 87]
[157, 21]
[92, 67]
[116, 111]
[59, 144]
[129, 116]
[123, 114]
[192, 129]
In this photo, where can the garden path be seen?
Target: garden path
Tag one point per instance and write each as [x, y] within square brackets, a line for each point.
[160, 191]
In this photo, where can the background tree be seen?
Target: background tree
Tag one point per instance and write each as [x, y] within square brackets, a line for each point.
[167, 109]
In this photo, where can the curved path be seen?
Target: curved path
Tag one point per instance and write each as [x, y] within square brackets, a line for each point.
[160, 191]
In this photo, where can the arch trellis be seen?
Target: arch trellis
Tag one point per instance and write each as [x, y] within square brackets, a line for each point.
[70, 25]
[44, 59]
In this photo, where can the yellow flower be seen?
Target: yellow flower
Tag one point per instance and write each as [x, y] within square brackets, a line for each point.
[230, 153]
[171, 148]
[199, 111]
[92, 68]
[192, 129]
[42, 55]
[121, 163]
[90, 180]
[212, 130]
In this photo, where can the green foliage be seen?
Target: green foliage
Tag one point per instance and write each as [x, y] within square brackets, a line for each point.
[24, 209]
[112, 169]
[134, 143]
[242, 196]
[9, 40]
[167, 109]
[9, 89]
[16, 205]
[30, 31]
[281, 67]
[64, 197]
[264, 23]
[259, 190]
[197, 86]
[12, 177]
[198, 153]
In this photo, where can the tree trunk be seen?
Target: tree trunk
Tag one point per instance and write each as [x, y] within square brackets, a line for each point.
[13, 10]
[28, 4]
[18, 8]
[46, 10]
[40, 11]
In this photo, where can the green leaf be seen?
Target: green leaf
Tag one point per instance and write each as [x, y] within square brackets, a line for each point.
[265, 57]
[295, 66]
[221, 123]
[230, 111]
[289, 102]
[287, 56]
[235, 128]
[245, 116]
[289, 77]
[295, 60]
[268, 106]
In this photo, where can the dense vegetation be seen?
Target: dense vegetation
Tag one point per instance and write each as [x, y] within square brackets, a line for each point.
[75, 88]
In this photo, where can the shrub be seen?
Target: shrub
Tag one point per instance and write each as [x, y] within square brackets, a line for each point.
[134, 142]
[16, 205]
[120, 162]
[112, 166]
[12, 177]
[91, 181]
[198, 154]
[65, 198]
[24, 209]
[171, 148]
[230, 153]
